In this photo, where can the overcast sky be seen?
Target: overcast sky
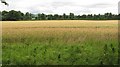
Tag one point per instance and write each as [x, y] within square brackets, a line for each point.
[63, 6]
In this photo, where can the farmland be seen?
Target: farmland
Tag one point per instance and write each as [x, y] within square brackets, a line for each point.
[60, 42]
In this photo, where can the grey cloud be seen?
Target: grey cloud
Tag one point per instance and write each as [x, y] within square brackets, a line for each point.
[61, 4]
[99, 5]
[80, 9]
[39, 10]
[46, 11]
[86, 11]
[119, 7]
[83, 11]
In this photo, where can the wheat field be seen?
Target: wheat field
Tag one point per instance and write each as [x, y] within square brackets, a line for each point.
[56, 42]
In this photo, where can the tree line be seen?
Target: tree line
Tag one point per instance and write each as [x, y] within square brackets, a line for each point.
[18, 15]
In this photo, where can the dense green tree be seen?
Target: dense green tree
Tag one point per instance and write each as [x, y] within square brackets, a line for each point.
[60, 17]
[56, 17]
[118, 17]
[83, 16]
[64, 16]
[0, 15]
[28, 16]
[4, 15]
[39, 17]
[108, 15]
[89, 16]
[71, 16]
[43, 16]
[78, 17]
[14, 15]
[21, 15]
[50, 17]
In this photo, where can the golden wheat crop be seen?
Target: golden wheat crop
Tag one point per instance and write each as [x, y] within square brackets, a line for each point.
[64, 29]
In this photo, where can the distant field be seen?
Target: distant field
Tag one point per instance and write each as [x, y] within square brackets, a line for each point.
[66, 42]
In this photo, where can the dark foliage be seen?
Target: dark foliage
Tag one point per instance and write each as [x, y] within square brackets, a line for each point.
[17, 15]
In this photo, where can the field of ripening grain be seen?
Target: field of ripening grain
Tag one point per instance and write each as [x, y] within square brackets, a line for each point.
[60, 42]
